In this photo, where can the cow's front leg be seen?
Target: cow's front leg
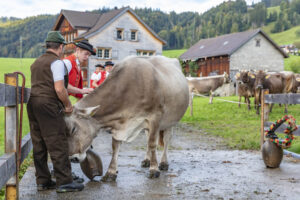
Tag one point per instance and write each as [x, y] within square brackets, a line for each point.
[111, 174]
[211, 97]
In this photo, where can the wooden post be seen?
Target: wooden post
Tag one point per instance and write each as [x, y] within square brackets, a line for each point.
[11, 137]
[264, 116]
[191, 104]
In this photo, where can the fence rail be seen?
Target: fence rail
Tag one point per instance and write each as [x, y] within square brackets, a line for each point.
[8, 161]
[16, 148]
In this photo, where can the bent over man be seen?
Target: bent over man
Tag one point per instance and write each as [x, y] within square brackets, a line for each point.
[46, 107]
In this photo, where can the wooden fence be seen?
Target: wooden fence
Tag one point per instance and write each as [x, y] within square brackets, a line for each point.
[276, 99]
[10, 98]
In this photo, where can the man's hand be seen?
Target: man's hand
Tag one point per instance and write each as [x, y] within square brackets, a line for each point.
[69, 110]
[87, 90]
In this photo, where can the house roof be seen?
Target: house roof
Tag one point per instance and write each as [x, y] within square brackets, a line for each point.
[79, 19]
[224, 45]
[95, 23]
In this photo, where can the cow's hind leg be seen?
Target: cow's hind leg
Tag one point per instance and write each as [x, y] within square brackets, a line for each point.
[111, 174]
[152, 144]
[164, 138]
[146, 162]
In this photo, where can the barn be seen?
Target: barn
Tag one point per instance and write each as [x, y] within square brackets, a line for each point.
[249, 50]
[114, 35]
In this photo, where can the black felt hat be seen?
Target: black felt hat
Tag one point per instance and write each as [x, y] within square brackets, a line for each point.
[109, 63]
[99, 65]
[84, 44]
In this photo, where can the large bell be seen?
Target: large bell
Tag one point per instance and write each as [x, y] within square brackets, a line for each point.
[272, 154]
[92, 165]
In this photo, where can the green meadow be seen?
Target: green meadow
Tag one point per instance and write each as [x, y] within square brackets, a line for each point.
[239, 127]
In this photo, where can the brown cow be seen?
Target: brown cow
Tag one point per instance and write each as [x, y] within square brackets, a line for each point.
[243, 90]
[207, 85]
[273, 82]
[140, 95]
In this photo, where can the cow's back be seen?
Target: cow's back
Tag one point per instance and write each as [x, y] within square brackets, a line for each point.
[138, 91]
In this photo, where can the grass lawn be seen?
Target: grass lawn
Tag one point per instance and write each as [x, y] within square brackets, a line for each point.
[239, 127]
[9, 65]
[173, 53]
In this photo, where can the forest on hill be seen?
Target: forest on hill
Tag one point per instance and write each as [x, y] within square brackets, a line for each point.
[180, 30]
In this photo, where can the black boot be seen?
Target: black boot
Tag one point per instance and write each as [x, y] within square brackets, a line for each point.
[46, 186]
[77, 178]
[70, 187]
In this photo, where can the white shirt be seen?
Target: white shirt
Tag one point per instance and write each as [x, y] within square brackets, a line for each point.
[58, 69]
[96, 77]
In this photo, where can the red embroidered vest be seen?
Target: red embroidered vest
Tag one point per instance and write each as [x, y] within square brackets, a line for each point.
[91, 82]
[75, 77]
[103, 77]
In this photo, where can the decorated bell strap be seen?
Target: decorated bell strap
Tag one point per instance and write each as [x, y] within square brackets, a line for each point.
[270, 133]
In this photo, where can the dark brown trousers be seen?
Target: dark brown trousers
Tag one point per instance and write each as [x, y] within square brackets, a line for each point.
[48, 134]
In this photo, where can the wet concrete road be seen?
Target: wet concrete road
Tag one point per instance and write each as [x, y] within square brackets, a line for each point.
[200, 168]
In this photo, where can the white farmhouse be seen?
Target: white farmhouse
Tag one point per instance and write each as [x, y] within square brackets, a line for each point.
[114, 35]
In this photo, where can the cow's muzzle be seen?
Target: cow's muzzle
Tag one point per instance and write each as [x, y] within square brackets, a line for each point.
[259, 87]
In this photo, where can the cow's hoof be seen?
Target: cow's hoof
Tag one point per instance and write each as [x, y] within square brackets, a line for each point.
[154, 174]
[109, 177]
[163, 166]
[145, 163]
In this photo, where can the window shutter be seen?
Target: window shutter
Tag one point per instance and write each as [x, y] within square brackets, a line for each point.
[132, 53]
[115, 54]
[115, 34]
[138, 36]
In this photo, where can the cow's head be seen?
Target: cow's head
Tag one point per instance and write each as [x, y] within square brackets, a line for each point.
[81, 130]
[226, 78]
[261, 77]
[246, 76]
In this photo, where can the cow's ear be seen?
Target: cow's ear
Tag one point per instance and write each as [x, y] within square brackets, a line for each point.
[268, 76]
[87, 112]
[237, 75]
[298, 79]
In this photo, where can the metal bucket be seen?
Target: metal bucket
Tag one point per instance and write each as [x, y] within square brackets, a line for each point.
[92, 165]
[272, 154]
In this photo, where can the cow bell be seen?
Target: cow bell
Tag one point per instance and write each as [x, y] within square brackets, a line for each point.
[91, 166]
[272, 154]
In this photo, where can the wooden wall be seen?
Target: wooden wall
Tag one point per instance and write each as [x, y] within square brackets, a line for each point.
[210, 65]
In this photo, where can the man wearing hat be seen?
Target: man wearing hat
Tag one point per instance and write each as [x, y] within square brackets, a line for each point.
[98, 76]
[108, 66]
[83, 50]
[46, 107]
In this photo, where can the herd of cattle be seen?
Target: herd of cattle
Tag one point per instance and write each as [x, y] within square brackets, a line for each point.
[250, 84]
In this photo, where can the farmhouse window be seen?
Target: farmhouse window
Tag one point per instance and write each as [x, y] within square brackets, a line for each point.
[257, 42]
[133, 35]
[120, 34]
[145, 53]
[104, 53]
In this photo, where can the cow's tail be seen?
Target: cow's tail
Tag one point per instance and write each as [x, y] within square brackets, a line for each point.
[161, 138]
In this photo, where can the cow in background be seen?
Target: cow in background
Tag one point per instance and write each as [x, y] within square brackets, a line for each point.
[206, 85]
[274, 82]
[140, 95]
[245, 89]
